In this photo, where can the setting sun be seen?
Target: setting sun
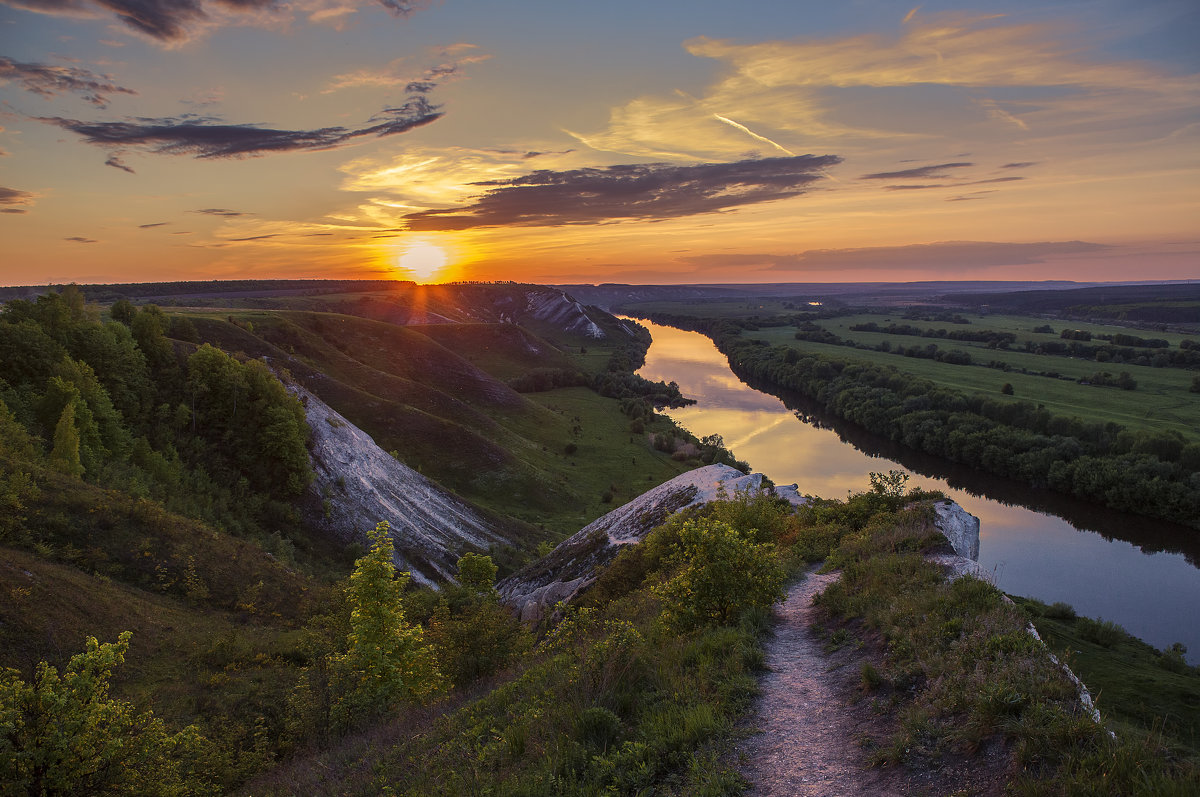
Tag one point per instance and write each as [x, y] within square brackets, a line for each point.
[423, 261]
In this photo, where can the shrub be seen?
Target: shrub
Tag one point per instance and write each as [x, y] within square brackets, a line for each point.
[1103, 632]
[720, 573]
[1060, 611]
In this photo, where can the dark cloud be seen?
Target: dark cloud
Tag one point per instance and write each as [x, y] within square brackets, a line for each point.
[155, 224]
[226, 212]
[994, 180]
[114, 160]
[405, 8]
[177, 20]
[432, 77]
[12, 198]
[1021, 165]
[654, 191]
[207, 137]
[79, 239]
[254, 237]
[937, 172]
[47, 80]
[951, 256]
[951, 185]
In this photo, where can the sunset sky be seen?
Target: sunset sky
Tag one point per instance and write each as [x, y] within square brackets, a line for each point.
[657, 141]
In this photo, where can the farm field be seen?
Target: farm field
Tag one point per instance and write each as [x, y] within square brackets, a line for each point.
[1161, 401]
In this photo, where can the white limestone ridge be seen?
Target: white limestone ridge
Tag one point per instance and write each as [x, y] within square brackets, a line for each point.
[358, 484]
[574, 564]
[558, 308]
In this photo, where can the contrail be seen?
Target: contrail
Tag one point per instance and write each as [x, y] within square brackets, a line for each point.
[752, 134]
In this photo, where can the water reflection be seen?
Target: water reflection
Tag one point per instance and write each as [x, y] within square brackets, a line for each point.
[1025, 540]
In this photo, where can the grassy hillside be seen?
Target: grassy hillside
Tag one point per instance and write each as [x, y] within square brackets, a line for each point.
[451, 416]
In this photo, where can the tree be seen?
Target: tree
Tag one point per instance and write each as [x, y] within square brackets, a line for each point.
[64, 457]
[477, 572]
[387, 661]
[473, 634]
[63, 734]
[123, 311]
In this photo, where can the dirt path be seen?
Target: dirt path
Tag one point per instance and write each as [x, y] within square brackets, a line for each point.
[811, 717]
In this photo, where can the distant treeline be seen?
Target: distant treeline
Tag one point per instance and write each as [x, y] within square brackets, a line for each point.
[639, 396]
[1123, 349]
[143, 290]
[1153, 474]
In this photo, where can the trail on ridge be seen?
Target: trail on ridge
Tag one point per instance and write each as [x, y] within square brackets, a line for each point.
[810, 739]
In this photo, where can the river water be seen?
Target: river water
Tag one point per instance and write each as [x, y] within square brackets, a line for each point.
[1139, 573]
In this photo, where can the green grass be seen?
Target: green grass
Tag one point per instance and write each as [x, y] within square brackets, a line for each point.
[1137, 688]
[961, 672]
[1162, 399]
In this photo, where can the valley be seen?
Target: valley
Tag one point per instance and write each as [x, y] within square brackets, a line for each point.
[236, 473]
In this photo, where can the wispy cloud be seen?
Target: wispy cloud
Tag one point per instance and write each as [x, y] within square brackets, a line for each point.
[451, 61]
[153, 225]
[208, 137]
[49, 80]
[223, 212]
[653, 191]
[937, 172]
[172, 21]
[13, 200]
[1024, 80]
[79, 239]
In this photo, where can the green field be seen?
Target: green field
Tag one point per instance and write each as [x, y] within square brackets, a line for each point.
[1161, 401]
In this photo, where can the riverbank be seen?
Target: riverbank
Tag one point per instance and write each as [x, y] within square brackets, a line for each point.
[1089, 460]
[1030, 546]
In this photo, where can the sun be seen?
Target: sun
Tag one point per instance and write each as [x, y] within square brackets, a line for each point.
[423, 260]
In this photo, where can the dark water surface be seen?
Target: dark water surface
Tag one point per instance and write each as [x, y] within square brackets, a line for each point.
[1137, 572]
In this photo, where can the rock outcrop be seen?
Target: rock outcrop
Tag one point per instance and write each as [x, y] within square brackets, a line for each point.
[358, 484]
[574, 563]
[556, 307]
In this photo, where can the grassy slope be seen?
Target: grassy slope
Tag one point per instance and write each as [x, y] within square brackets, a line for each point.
[1133, 688]
[216, 620]
[452, 418]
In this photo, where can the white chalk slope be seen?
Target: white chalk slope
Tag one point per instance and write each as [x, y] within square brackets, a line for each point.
[358, 484]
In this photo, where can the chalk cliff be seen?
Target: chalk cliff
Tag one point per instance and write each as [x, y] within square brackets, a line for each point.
[358, 484]
[575, 562]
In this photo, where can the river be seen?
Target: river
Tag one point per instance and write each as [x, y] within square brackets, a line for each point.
[1137, 572]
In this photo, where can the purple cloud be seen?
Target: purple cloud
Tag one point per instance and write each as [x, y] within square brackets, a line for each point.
[651, 191]
[46, 80]
[207, 137]
[11, 200]
[937, 172]
[177, 20]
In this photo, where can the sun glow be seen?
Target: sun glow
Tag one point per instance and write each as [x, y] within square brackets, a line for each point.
[423, 260]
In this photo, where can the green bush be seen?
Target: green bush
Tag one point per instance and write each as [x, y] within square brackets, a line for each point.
[719, 573]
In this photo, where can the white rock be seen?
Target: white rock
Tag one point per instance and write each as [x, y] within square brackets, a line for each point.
[363, 485]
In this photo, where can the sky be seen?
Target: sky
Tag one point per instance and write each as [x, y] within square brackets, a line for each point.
[564, 142]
